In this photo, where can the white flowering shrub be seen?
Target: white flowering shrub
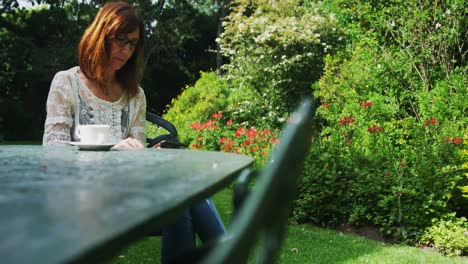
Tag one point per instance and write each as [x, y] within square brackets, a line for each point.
[275, 51]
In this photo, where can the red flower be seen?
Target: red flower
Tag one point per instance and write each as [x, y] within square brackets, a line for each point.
[374, 129]
[251, 133]
[254, 149]
[217, 115]
[196, 146]
[399, 194]
[239, 132]
[210, 124]
[366, 104]
[387, 174]
[346, 120]
[246, 143]
[228, 144]
[403, 165]
[196, 126]
[431, 121]
[325, 105]
[229, 122]
[457, 140]
[446, 139]
[274, 140]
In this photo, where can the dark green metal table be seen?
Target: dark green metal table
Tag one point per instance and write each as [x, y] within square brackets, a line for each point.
[59, 204]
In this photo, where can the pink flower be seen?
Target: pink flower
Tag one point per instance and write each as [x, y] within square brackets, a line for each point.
[229, 122]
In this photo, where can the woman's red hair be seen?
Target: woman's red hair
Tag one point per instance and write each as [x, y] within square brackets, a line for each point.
[94, 48]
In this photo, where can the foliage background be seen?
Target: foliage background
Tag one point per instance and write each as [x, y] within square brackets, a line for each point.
[391, 130]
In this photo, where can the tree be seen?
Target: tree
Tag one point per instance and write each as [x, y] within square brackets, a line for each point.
[38, 42]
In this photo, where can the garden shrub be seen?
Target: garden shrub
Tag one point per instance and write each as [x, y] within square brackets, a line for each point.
[197, 103]
[220, 133]
[448, 235]
[386, 155]
[277, 51]
[393, 114]
[209, 116]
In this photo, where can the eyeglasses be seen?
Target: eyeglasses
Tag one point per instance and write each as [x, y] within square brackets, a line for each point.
[123, 40]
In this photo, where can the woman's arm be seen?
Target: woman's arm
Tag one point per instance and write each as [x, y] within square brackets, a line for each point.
[137, 133]
[137, 125]
[59, 111]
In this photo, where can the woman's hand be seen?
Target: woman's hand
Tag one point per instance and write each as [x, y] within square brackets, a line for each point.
[128, 143]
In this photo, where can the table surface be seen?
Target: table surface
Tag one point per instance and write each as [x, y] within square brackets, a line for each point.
[59, 204]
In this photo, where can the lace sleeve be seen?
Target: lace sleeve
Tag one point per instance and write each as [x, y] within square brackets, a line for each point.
[59, 111]
[137, 126]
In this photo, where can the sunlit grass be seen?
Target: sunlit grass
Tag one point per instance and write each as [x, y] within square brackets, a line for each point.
[307, 244]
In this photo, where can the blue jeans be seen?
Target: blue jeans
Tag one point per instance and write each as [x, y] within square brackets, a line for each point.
[179, 235]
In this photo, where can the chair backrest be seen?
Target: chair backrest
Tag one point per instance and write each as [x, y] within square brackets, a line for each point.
[262, 219]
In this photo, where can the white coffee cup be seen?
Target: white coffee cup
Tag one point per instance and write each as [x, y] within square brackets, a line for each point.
[94, 134]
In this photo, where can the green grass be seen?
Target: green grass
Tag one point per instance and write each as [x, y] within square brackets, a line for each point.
[307, 244]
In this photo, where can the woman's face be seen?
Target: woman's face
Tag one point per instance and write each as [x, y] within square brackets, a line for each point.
[122, 48]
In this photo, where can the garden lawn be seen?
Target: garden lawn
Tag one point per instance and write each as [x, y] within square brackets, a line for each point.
[306, 244]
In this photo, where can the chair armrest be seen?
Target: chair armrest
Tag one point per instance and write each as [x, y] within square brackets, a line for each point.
[161, 122]
[155, 119]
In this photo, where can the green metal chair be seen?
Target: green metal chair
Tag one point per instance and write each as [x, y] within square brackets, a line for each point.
[172, 135]
[261, 214]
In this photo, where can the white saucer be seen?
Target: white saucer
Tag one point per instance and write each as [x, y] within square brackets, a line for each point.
[95, 147]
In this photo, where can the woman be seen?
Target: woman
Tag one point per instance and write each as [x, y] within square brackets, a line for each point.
[104, 89]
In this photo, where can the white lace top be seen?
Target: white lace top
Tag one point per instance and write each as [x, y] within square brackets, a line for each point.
[70, 103]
